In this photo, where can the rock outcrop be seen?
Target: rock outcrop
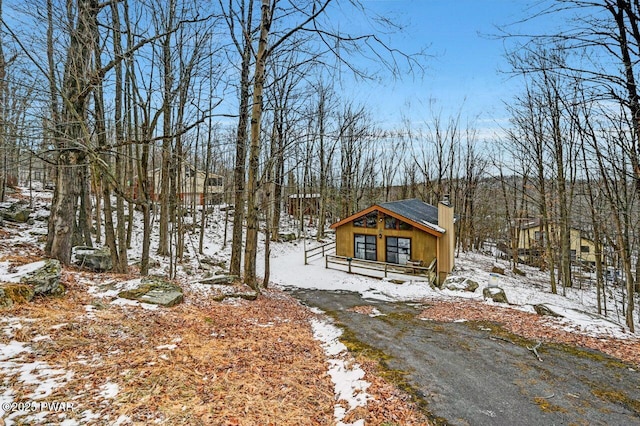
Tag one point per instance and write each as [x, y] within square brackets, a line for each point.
[46, 279]
[155, 290]
[460, 284]
[495, 293]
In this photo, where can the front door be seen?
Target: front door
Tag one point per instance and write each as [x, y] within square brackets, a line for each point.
[365, 247]
[398, 250]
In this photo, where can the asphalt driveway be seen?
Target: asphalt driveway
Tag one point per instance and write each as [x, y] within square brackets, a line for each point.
[470, 374]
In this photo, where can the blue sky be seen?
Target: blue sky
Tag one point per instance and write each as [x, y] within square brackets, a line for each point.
[463, 72]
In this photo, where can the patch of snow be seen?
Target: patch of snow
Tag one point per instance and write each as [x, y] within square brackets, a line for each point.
[126, 302]
[168, 347]
[40, 338]
[122, 420]
[12, 349]
[376, 313]
[287, 270]
[21, 271]
[345, 375]
[109, 390]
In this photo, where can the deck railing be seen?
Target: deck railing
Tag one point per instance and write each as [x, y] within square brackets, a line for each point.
[318, 251]
[357, 266]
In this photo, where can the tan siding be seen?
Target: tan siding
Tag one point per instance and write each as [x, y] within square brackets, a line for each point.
[447, 241]
[423, 245]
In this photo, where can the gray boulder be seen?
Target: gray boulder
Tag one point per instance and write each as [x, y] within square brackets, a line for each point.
[287, 237]
[495, 293]
[46, 279]
[460, 284]
[546, 310]
[155, 290]
[16, 213]
[95, 259]
[497, 270]
[219, 280]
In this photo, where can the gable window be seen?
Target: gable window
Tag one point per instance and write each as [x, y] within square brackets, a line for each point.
[393, 223]
[368, 221]
[390, 222]
[365, 247]
[584, 249]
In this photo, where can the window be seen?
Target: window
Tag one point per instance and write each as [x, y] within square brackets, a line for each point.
[584, 249]
[365, 247]
[539, 237]
[372, 220]
[390, 222]
[393, 223]
[398, 250]
[404, 226]
[214, 181]
[368, 221]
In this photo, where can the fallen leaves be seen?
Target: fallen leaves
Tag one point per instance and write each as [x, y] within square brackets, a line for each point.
[170, 366]
[532, 326]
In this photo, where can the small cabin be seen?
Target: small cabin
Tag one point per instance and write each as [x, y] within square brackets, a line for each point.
[400, 232]
[308, 204]
[531, 241]
[197, 187]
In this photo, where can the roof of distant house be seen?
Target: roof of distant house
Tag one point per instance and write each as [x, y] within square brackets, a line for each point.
[304, 196]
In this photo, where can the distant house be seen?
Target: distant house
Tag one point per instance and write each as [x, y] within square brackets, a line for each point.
[400, 232]
[531, 241]
[196, 186]
[309, 204]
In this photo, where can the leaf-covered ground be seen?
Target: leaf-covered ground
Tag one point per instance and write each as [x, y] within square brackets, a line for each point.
[199, 363]
[534, 327]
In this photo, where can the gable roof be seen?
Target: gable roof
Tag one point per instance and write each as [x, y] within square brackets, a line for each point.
[416, 212]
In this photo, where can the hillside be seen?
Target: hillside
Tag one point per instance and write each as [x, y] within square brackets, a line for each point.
[91, 357]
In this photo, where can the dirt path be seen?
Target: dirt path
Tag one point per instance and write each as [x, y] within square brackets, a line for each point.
[476, 374]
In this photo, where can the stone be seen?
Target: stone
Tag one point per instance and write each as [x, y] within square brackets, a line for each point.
[518, 271]
[94, 258]
[495, 293]
[460, 284]
[46, 279]
[155, 290]
[219, 280]
[246, 295]
[497, 270]
[15, 293]
[545, 310]
[217, 263]
[287, 237]
[16, 213]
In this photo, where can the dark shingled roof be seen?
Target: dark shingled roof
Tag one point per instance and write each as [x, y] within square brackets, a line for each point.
[415, 210]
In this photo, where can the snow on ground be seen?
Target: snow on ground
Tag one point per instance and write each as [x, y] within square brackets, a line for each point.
[346, 375]
[578, 307]
[287, 269]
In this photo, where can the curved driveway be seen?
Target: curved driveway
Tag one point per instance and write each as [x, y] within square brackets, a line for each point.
[465, 375]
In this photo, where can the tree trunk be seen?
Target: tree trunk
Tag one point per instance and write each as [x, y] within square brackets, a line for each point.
[166, 206]
[251, 246]
[71, 140]
[241, 149]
